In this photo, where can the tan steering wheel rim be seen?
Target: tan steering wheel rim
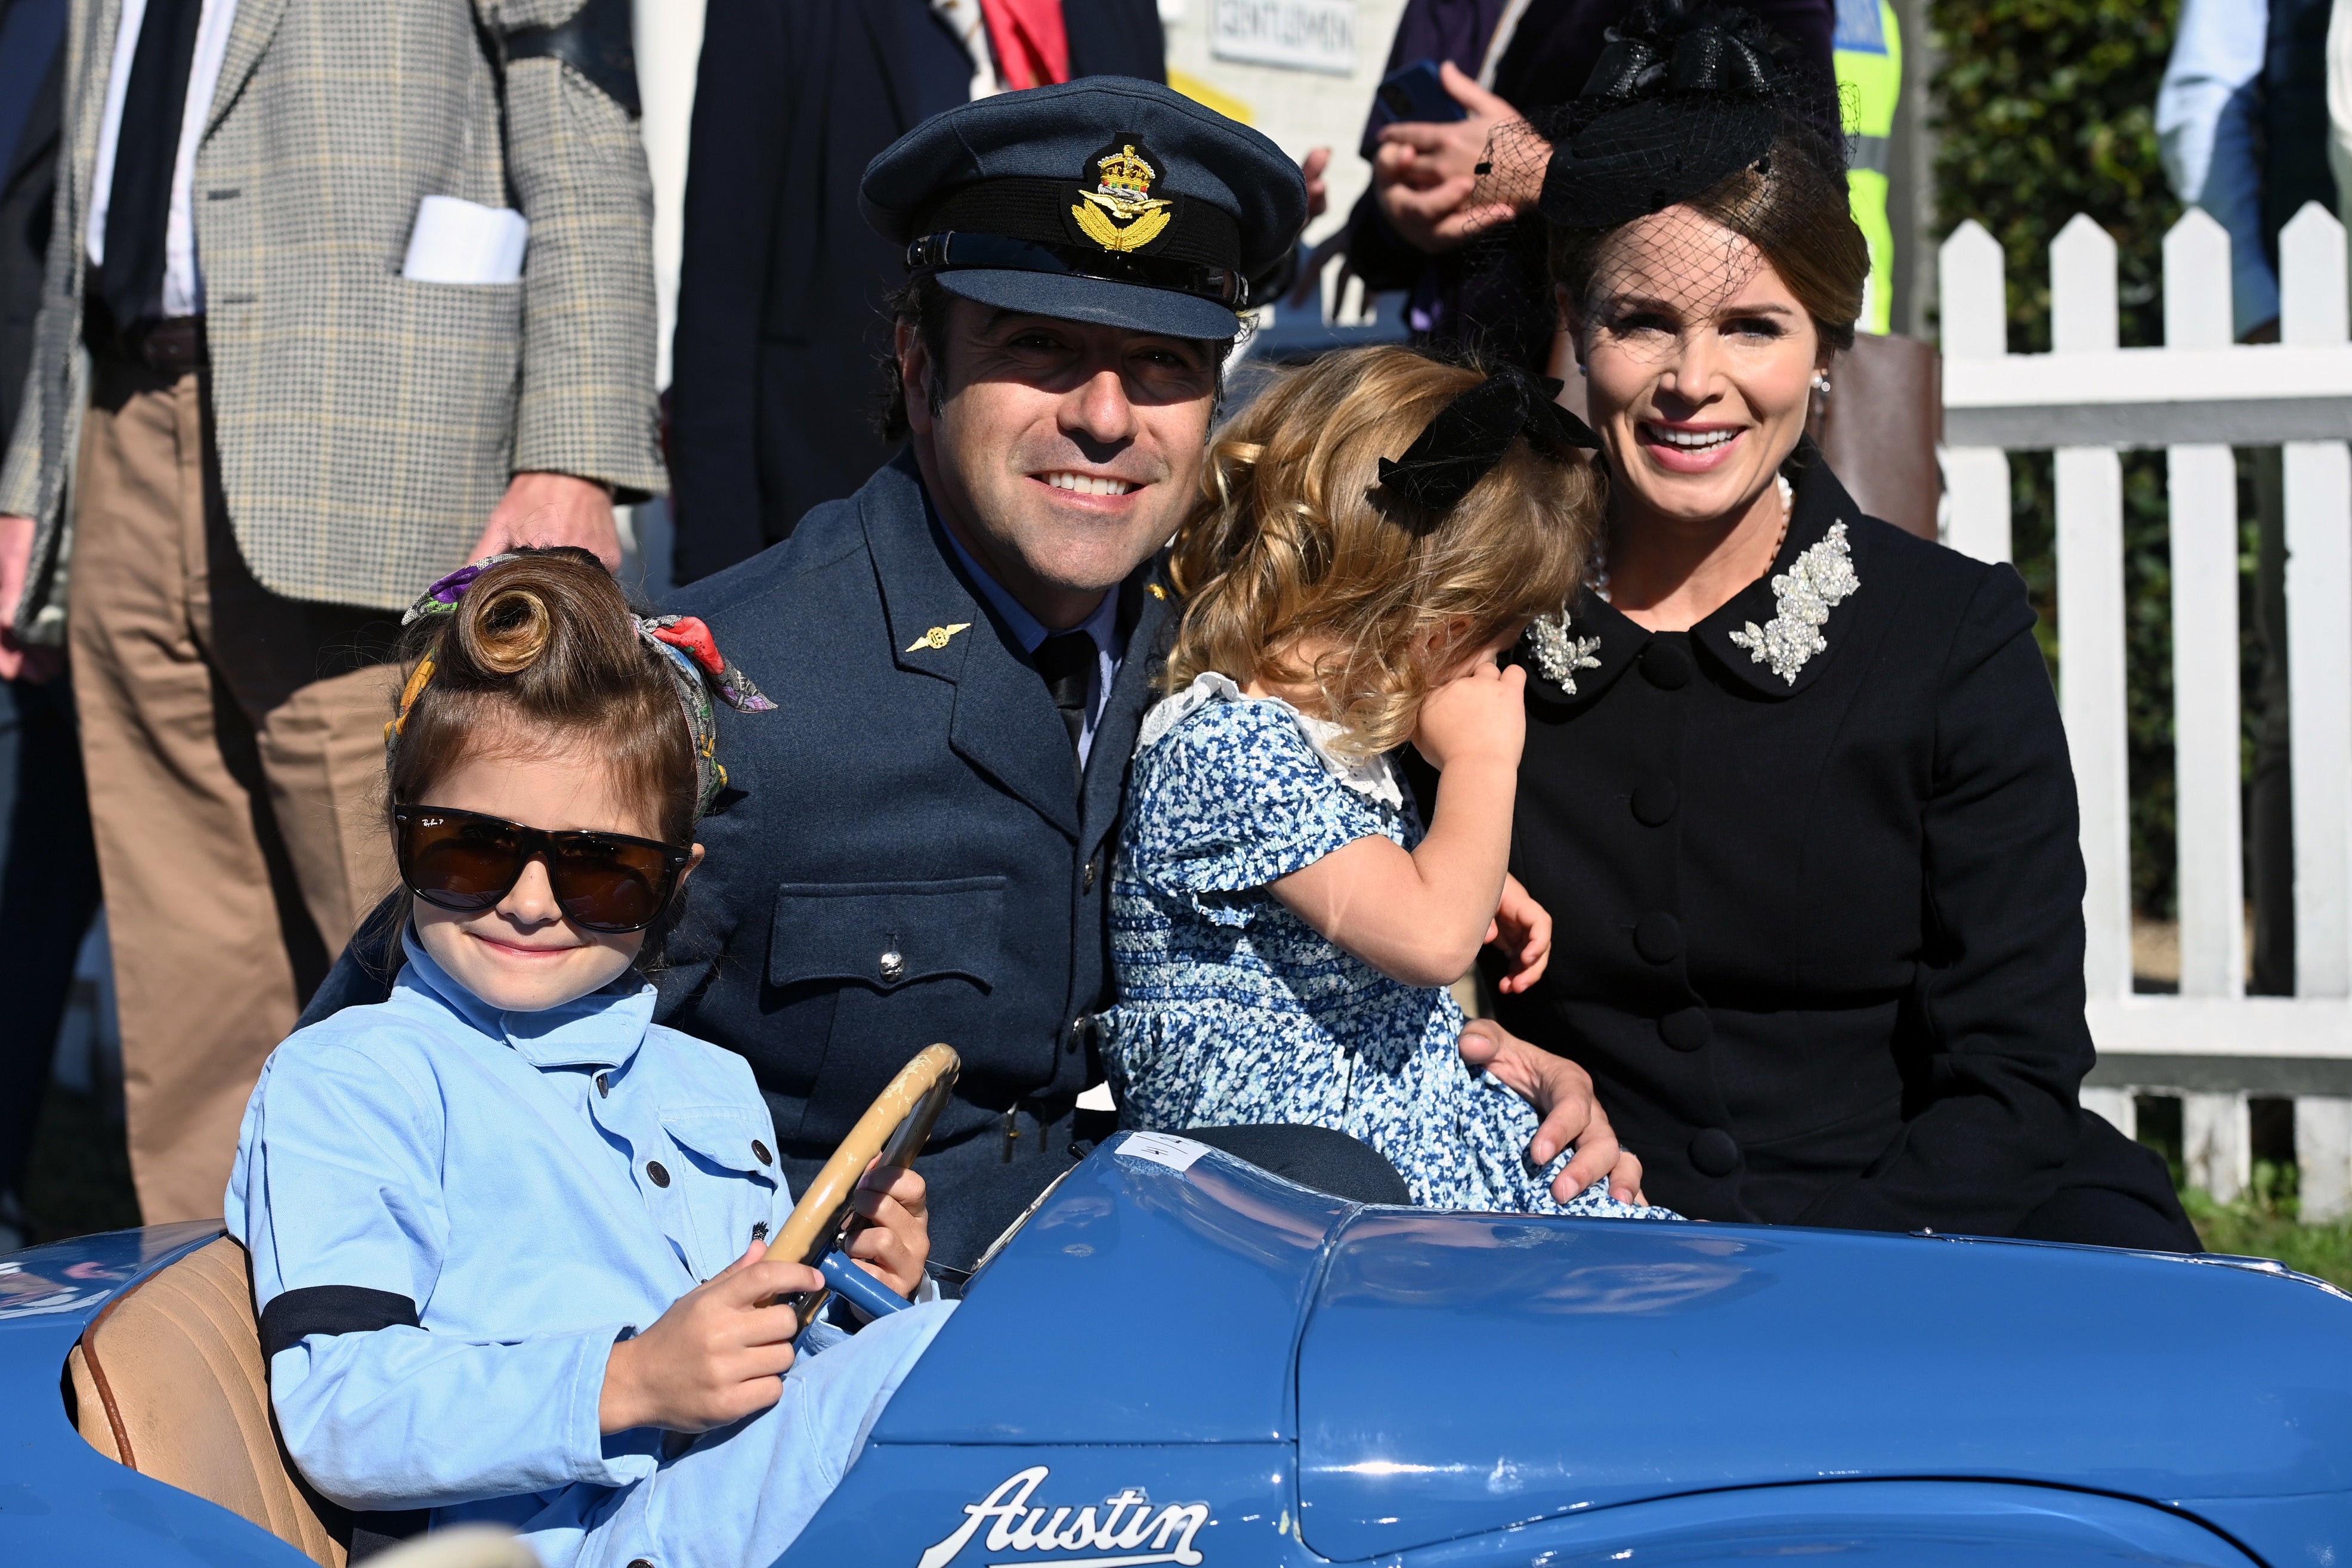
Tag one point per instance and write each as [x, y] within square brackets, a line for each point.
[894, 1129]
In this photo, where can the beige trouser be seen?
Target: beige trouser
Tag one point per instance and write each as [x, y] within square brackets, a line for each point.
[234, 746]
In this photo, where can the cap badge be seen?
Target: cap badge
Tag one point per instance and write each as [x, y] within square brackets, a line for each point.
[1120, 213]
[937, 637]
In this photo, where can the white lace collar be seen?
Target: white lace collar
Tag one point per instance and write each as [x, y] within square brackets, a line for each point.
[1376, 778]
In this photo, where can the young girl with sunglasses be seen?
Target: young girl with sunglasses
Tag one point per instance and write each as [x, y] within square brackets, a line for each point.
[1380, 526]
[508, 1234]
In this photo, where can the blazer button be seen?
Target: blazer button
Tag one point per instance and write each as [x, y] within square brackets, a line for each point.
[893, 966]
[1658, 936]
[1091, 868]
[1654, 801]
[1714, 1153]
[1666, 665]
[656, 1174]
[1687, 1030]
[759, 1152]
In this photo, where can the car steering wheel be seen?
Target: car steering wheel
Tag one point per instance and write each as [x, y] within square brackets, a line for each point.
[894, 1128]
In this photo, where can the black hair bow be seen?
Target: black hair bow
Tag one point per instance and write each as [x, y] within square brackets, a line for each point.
[1470, 435]
[1668, 46]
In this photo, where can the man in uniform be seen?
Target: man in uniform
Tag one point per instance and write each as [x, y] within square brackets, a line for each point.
[963, 650]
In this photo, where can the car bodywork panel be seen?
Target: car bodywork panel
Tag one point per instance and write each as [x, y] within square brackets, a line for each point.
[1591, 1362]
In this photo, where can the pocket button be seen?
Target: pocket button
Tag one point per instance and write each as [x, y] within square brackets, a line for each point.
[894, 967]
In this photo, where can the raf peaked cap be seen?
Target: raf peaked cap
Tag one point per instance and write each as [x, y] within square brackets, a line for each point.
[1107, 200]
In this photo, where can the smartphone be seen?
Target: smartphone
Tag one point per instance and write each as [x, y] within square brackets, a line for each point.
[1417, 92]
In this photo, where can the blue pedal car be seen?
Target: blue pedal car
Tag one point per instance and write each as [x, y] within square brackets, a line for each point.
[1177, 1358]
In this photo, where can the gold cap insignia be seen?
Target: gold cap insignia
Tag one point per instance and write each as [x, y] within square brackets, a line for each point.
[937, 637]
[1120, 213]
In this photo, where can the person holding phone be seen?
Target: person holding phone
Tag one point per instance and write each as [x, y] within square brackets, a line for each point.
[1428, 224]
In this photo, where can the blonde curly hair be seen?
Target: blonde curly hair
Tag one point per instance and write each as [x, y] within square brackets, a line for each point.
[1291, 547]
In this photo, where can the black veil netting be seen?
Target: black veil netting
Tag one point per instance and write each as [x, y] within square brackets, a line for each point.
[1688, 105]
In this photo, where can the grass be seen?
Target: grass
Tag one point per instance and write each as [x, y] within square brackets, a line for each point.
[2263, 1223]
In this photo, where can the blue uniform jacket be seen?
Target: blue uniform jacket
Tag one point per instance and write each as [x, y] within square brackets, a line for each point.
[909, 859]
[452, 1212]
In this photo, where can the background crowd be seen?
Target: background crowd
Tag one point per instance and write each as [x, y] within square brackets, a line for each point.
[260, 391]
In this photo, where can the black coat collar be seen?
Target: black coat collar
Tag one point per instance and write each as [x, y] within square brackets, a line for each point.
[1822, 503]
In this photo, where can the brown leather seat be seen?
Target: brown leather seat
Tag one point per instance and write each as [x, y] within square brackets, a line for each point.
[168, 1380]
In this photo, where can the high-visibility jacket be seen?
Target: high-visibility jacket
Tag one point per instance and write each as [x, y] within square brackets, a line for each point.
[1867, 52]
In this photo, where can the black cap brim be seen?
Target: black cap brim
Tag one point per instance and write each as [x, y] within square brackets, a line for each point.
[1100, 301]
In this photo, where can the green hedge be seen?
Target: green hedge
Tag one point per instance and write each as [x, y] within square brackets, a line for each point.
[2045, 109]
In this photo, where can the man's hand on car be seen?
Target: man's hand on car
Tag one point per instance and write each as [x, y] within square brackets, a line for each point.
[549, 509]
[1561, 1093]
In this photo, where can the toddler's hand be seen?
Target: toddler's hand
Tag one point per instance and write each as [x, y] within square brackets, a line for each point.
[716, 1357]
[1479, 716]
[1522, 929]
[893, 1247]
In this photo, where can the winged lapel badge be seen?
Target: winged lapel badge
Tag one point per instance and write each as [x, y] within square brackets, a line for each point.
[937, 637]
[1120, 213]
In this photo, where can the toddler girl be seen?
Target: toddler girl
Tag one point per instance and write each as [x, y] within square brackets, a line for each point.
[508, 1234]
[1284, 929]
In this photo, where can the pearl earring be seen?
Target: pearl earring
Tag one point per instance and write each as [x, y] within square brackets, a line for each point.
[1822, 383]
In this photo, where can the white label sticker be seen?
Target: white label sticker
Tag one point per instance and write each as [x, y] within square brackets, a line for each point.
[1299, 35]
[1163, 1149]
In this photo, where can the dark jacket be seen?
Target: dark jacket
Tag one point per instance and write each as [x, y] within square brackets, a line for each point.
[1820, 942]
[1493, 296]
[905, 799]
[28, 182]
[775, 382]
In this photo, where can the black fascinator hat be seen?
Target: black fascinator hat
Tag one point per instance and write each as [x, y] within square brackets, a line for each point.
[1683, 96]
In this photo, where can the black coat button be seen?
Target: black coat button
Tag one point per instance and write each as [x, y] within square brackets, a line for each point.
[656, 1174]
[1654, 801]
[1714, 1153]
[1687, 1030]
[759, 1152]
[1666, 664]
[1658, 936]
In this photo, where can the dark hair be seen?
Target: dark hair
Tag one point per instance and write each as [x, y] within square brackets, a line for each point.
[922, 304]
[1786, 205]
[544, 644]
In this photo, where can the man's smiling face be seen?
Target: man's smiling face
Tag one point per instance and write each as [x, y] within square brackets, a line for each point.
[1061, 452]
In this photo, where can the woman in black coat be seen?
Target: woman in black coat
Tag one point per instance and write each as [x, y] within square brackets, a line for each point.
[1795, 787]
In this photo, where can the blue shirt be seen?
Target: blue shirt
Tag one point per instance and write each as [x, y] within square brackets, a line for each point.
[1102, 626]
[465, 1209]
[2209, 131]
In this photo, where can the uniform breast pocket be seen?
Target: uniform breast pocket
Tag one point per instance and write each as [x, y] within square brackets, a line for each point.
[906, 963]
[729, 1155]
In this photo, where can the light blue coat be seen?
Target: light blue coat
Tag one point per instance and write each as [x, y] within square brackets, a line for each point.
[454, 1213]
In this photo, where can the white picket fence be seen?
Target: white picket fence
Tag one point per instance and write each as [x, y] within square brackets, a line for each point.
[2197, 396]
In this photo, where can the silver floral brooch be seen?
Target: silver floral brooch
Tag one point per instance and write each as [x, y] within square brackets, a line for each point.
[1559, 655]
[1815, 583]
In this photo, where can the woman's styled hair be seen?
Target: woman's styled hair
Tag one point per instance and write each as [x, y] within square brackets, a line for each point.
[541, 650]
[1292, 546]
[1791, 209]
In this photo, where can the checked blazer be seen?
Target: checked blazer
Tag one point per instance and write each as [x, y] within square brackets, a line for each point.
[367, 425]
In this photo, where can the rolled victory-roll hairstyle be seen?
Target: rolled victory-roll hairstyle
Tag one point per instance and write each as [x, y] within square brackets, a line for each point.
[540, 652]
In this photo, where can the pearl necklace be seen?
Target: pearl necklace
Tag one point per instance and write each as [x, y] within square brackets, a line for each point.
[1598, 580]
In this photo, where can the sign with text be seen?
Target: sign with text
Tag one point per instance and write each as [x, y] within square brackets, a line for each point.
[1302, 35]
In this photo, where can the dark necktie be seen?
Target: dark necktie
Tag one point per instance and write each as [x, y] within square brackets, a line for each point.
[139, 204]
[1067, 661]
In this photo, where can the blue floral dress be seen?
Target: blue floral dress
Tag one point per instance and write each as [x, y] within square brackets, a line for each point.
[1233, 1010]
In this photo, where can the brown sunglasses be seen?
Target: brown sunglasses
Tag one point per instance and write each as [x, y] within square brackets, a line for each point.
[467, 862]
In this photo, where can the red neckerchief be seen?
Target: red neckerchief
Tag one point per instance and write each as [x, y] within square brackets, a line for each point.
[1033, 47]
